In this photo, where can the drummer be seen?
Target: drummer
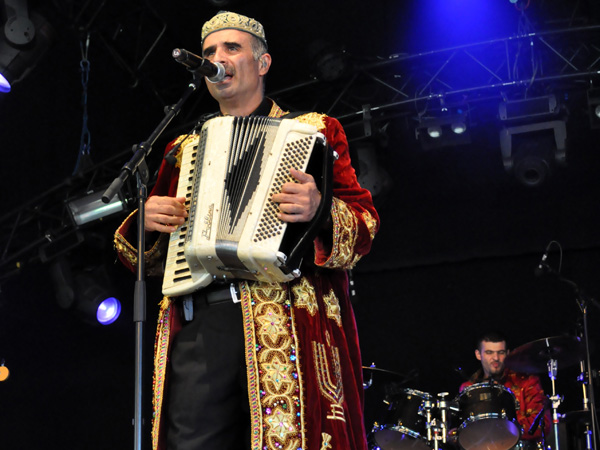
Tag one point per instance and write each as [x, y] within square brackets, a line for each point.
[491, 350]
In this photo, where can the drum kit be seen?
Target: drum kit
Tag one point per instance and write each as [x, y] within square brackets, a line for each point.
[482, 417]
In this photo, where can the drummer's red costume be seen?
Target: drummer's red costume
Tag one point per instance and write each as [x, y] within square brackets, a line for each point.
[529, 396]
[302, 357]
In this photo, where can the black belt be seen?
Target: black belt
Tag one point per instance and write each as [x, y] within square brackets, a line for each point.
[211, 295]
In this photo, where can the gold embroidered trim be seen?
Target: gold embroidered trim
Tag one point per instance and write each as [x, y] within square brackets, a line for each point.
[161, 348]
[271, 345]
[189, 139]
[313, 118]
[123, 246]
[333, 307]
[129, 252]
[276, 111]
[229, 20]
[330, 378]
[256, 428]
[305, 297]
[325, 441]
[370, 222]
[345, 228]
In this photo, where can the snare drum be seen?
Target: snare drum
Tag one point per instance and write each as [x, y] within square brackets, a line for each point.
[405, 424]
[488, 419]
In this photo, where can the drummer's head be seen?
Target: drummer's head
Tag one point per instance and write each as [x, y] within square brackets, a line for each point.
[491, 351]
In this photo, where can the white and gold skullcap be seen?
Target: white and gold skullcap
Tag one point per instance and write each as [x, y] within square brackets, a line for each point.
[226, 20]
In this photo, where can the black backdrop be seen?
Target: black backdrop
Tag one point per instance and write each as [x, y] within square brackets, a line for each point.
[455, 255]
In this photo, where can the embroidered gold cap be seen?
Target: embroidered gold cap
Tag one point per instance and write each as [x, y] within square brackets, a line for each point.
[226, 20]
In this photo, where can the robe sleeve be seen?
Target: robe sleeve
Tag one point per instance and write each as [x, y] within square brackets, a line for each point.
[353, 215]
[156, 246]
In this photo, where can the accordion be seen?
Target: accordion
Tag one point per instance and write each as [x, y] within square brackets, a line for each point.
[228, 174]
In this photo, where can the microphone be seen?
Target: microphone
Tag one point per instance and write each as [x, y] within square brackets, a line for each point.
[214, 72]
[536, 422]
[542, 267]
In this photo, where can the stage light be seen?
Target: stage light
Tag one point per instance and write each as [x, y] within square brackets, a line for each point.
[91, 208]
[533, 139]
[434, 131]
[108, 311]
[459, 127]
[446, 130]
[23, 42]
[529, 151]
[85, 292]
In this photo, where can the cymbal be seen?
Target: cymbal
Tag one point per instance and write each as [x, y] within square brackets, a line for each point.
[533, 357]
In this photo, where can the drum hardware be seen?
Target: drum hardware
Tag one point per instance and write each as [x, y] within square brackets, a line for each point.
[548, 354]
[582, 378]
[442, 405]
[555, 399]
[487, 416]
[407, 422]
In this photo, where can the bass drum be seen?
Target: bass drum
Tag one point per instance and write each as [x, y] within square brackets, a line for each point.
[488, 419]
[405, 424]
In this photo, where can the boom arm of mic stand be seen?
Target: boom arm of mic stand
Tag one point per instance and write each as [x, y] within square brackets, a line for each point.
[142, 150]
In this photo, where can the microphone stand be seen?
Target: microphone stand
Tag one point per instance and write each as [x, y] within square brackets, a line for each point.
[589, 398]
[137, 165]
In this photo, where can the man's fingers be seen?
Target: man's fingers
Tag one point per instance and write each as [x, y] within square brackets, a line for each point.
[302, 177]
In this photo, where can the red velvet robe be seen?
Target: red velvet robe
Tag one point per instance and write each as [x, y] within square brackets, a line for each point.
[302, 351]
[530, 398]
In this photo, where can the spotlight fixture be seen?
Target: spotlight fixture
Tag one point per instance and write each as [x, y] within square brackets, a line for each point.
[444, 131]
[434, 131]
[533, 138]
[530, 150]
[86, 292]
[458, 127]
[91, 208]
[23, 42]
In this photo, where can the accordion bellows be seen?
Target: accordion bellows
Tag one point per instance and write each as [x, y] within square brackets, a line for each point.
[228, 175]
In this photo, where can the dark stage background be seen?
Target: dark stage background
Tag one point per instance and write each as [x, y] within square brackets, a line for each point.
[460, 236]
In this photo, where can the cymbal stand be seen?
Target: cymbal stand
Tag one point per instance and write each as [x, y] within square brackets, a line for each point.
[437, 431]
[589, 400]
[583, 379]
[442, 405]
[427, 407]
[555, 399]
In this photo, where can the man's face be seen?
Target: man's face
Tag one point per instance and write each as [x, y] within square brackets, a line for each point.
[492, 356]
[243, 80]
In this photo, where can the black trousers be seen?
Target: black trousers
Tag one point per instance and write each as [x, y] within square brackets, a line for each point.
[207, 403]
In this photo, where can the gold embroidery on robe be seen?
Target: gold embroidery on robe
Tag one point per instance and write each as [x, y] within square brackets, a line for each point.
[305, 297]
[333, 307]
[345, 227]
[326, 441]
[161, 348]
[313, 118]
[370, 222]
[129, 252]
[271, 338]
[330, 378]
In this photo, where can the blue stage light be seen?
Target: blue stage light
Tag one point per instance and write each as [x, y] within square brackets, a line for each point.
[108, 311]
[4, 84]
